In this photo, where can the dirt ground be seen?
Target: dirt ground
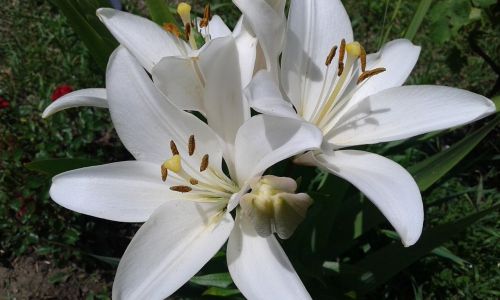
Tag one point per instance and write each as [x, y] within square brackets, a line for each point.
[29, 278]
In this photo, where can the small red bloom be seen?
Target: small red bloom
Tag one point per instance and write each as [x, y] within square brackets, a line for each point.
[60, 91]
[4, 103]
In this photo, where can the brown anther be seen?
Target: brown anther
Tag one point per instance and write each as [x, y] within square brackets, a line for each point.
[181, 189]
[191, 145]
[362, 57]
[173, 148]
[164, 173]
[204, 163]
[193, 181]
[341, 57]
[170, 27]
[207, 16]
[187, 32]
[331, 56]
[370, 73]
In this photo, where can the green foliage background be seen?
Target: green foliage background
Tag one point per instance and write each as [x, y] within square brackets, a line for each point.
[39, 50]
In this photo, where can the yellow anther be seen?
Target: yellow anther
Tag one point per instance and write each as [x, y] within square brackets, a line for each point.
[184, 10]
[173, 164]
[353, 49]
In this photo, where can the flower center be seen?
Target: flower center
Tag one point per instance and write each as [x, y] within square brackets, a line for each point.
[338, 88]
[274, 207]
[203, 182]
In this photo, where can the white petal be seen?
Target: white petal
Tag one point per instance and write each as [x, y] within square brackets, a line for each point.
[147, 41]
[266, 140]
[224, 107]
[259, 266]
[247, 47]
[146, 121]
[216, 28]
[125, 191]
[176, 78]
[398, 57]
[388, 185]
[314, 27]
[85, 97]
[265, 97]
[403, 112]
[267, 19]
[170, 248]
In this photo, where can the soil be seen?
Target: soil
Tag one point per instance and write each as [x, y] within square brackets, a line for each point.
[29, 278]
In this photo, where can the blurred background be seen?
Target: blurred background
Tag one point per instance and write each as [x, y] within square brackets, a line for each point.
[48, 252]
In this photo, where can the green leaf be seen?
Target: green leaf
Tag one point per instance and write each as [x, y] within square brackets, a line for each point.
[419, 16]
[82, 18]
[215, 291]
[446, 253]
[390, 260]
[112, 261]
[160, 12]
[52, 167]
[430, 170]
[496, 100]
[221, 280]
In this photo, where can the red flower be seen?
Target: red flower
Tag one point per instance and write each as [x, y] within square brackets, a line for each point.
[60, 91]
[4, 103]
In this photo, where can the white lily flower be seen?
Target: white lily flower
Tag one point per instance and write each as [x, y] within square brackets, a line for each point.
[187, 214]
[356, 99]
[164, 55]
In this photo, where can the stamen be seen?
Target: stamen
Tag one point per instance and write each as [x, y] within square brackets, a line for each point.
[204, 163]
[187, 31]
[170, 27]
[331, 56]
[363, 59]
[181, 189]
[173, 147]
[341, 57]
[164, 173]
[193, 181]
[207, 16]
[173, 164]
[370, 73]
[191, 145]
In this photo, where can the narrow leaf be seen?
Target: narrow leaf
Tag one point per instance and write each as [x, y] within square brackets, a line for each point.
[221, 280]
[390, 260]
[160, 12]
[89, 29]
[419, 16]
[53, 167]
[430, 170]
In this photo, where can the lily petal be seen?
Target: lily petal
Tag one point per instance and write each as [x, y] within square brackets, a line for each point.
[247, 51]
[147, 41]
[176, 78]
[388, 185]
[314, 27]
[398, 57]
[216, 28]
[85, 97]
[407, 111]
[267, 20]
[225, 109]
[259, 267]
[146, 121]
[170, 248]
[266, 140]
[127, 191]
[265, 97]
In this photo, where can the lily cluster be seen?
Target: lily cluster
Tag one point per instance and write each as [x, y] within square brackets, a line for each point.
[198, 185]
